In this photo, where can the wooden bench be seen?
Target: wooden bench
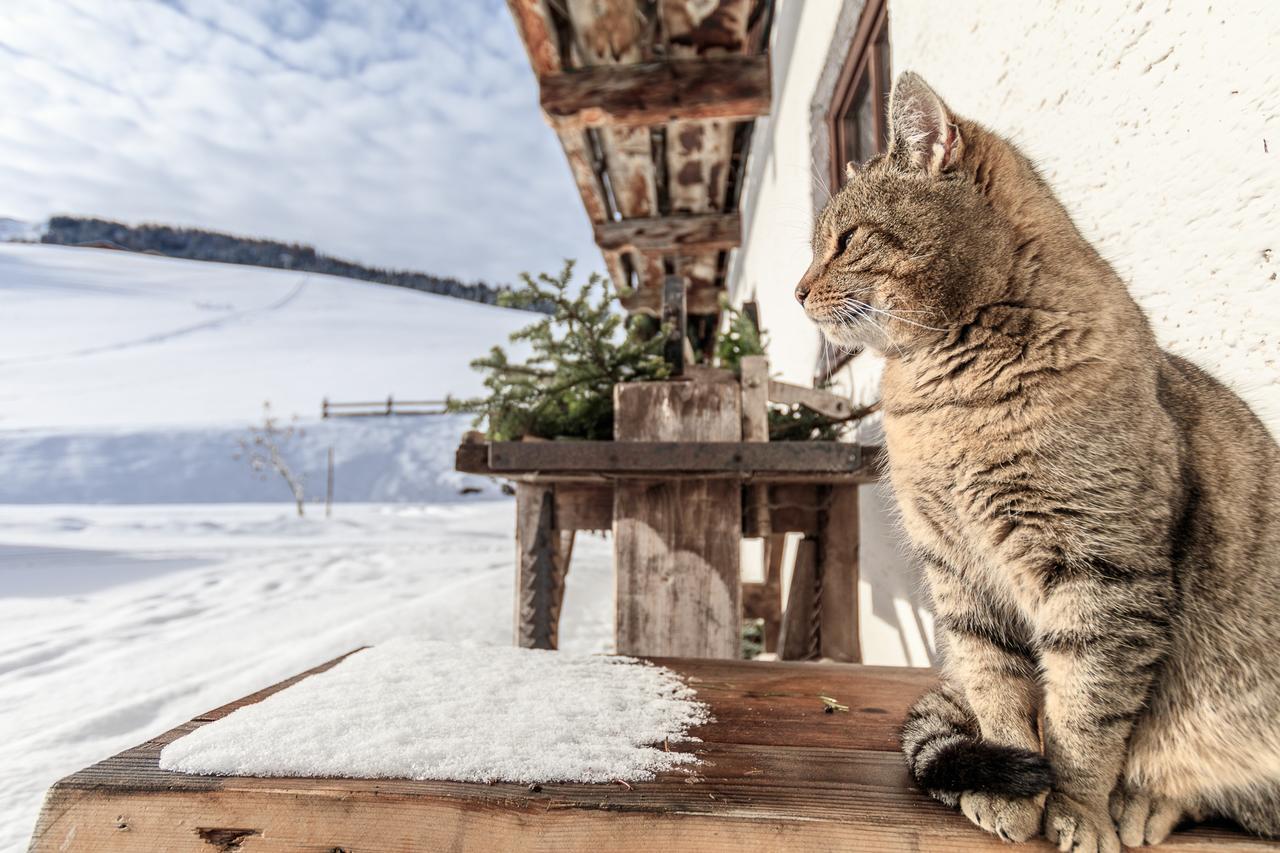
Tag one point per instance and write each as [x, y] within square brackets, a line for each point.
[778, 773]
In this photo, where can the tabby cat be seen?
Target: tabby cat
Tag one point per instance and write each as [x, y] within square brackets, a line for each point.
[1099, 520]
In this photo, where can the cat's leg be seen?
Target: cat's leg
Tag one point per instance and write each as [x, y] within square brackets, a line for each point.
[1102, 632]
[993, 669]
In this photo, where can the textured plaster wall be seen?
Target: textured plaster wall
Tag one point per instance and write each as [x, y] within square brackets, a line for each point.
[1158, 124]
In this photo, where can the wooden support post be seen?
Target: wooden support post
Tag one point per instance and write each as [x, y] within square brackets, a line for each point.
[675, 315]
[798, 637]
[542, 562]
[676, 541]
[838, 562]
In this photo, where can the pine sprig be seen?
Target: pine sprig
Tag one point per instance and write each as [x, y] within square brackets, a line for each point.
[564, 388]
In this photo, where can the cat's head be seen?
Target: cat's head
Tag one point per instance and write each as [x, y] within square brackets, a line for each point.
[913, 242]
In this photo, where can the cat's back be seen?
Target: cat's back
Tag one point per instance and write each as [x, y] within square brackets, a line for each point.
[1231, 478]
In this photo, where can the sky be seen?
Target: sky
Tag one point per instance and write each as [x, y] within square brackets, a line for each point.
[397, 133]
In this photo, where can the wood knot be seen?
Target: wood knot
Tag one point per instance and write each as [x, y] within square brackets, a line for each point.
[225, 839]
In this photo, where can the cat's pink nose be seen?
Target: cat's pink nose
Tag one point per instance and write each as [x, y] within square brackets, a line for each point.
[802, 291]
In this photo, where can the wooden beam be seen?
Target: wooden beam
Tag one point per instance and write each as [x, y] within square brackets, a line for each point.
[533, 22]
[674, 458]
[650, 93]
[708, 232]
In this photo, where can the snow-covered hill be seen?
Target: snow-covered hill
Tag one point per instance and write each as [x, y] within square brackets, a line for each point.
[128, 378]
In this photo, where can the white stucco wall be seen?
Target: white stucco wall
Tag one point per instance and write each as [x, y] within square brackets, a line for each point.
[1159, 125]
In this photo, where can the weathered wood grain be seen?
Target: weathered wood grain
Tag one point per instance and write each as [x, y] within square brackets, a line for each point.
[838, 541]
[542, 560]
[822, 402]
[798, 636]
[676, 552]
[642, 94]
[777, 774]
[708, 232]
[692, 458]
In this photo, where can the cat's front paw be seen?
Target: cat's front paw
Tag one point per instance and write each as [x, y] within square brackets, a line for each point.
[1010, 818]
[1077, 827]
[1145, 818]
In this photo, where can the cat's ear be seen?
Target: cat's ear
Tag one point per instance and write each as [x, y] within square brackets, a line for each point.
[851, 170]
[922, 133]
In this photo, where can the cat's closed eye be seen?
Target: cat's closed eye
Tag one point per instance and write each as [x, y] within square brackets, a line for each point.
[842, 242]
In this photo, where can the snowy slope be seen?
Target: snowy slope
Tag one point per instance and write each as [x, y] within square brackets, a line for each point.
[94, 337]
[129, 378]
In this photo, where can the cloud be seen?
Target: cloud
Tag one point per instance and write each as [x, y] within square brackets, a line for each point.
[401, 134]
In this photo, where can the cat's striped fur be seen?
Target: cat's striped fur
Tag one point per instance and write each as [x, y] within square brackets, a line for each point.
[1099, 520]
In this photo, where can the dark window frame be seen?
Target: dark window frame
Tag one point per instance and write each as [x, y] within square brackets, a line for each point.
[868, 61]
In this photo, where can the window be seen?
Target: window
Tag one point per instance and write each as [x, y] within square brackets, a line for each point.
[858, 121]
[858, 125]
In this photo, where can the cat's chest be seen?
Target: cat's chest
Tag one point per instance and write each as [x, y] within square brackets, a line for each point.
[937, 474]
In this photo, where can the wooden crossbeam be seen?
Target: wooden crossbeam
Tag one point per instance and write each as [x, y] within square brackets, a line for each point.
[822, 402]
[649, 93]
[675, 457]
[706, 232]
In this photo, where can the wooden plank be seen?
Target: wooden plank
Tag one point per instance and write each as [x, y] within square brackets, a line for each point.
[584, 507]
[798, 636]
[642, 94]
[777, 774]
[708, 232]
[533, 23]
[676, 540]
[692, 458]
[541, 564]
[838, 542]
[822, 402]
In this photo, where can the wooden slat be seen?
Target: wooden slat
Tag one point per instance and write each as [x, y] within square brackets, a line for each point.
[838, 543]
[541, 564]
[822, 402]
[708, 232]
[798, 637]
[678, 588]
[777, 774]
[643, 94]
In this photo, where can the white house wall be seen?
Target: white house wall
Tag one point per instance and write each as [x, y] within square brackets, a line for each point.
[1159, 125]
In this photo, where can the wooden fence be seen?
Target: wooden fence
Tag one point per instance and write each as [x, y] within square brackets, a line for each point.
[381, 408]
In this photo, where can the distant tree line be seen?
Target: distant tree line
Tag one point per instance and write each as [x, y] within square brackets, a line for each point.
[200, 245]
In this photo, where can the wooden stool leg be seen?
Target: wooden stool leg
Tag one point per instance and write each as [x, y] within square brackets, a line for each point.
[542, 562]
[798, 637]
[838, 565]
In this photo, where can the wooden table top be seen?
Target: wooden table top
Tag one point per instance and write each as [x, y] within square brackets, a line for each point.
[776, 773]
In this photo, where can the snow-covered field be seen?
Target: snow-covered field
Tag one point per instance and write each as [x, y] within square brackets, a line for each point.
[125, 380]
